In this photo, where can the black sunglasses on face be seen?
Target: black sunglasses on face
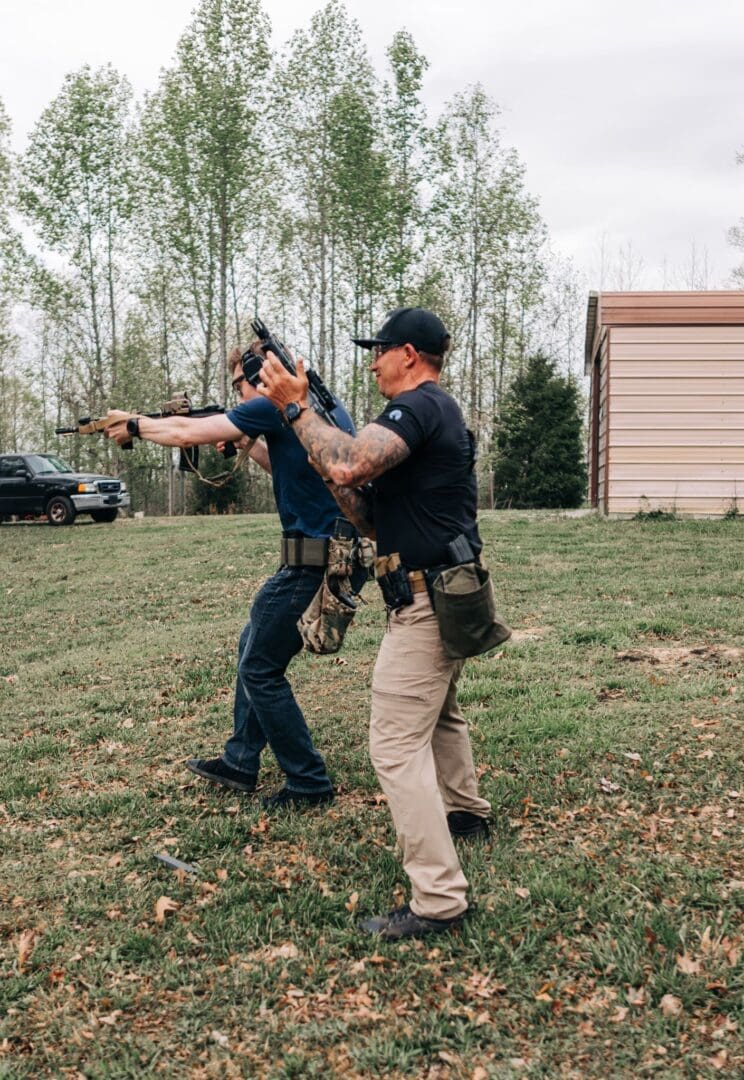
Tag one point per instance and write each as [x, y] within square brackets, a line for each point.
[380, 350]
[236, 383]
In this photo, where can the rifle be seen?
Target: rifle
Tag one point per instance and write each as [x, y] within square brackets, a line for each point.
[321, 398]
[179, 405]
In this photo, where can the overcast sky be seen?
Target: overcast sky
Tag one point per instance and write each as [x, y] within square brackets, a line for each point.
[628, 117]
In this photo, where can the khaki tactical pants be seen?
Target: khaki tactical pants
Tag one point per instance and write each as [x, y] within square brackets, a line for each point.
[420, 748]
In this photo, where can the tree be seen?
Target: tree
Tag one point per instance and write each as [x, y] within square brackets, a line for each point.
[201, 166]
[322, 63]
[540, 459]
[488, 235]
[75, 190]
[405, 136]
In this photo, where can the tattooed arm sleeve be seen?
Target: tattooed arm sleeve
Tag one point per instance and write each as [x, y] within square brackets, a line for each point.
[347, 461]
[356, 507]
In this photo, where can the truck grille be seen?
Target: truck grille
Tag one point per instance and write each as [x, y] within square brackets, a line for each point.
[108, 485]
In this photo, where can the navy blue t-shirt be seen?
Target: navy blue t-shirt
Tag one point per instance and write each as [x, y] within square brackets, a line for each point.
[306, 506]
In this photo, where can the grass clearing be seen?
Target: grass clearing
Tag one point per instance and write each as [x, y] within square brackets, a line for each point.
[607, 940]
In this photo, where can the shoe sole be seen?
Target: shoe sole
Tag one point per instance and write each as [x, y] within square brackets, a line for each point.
[221, 781]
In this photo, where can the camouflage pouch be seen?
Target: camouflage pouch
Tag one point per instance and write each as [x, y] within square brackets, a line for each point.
[340, 554]
[465, 607]
[324, 624]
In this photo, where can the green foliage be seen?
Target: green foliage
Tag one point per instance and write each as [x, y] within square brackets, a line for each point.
[233, 494]
[540, 460]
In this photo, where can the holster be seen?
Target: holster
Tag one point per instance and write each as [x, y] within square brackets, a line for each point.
[392, 577]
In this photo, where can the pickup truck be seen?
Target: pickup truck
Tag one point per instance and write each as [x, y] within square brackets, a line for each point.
[38, 484]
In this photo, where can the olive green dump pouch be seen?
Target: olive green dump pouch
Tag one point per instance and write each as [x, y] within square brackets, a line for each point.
[465, 607]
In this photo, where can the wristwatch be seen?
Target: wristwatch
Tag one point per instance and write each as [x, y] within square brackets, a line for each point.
[133, 426]
[293, 410]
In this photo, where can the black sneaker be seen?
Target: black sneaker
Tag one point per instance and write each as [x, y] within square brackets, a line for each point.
[219, 772]
[467, 826]
[404, 923]
[286, 799]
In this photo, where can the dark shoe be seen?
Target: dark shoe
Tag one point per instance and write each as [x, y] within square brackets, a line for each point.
[219, 772]
[404, 923]
[286, 799]
[467, 826]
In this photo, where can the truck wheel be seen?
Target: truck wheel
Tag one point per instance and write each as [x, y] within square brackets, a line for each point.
[104, 515]
[60, 511]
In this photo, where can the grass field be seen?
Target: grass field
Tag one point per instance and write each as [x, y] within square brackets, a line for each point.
[607, 939]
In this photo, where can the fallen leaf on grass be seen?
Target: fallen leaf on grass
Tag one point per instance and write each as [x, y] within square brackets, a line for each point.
[26, 943]
[164, 906]
[479, 1073]
[637, 996]
[287, 951]
[687, 965]
[114, 861]
[670, 1005]
[219, 1038]
[719, 1060]
[522, 893]
[111, 1018]
[608, 786]
[351, 903]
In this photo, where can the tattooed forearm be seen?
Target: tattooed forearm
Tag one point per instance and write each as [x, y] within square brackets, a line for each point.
[347, 461]
[356, 507]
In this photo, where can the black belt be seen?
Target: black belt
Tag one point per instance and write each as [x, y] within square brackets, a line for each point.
[304, 551]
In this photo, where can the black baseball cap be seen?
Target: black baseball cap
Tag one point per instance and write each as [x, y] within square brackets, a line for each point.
[410, 326]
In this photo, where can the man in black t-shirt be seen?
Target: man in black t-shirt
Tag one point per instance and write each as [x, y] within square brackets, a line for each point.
[417, 461]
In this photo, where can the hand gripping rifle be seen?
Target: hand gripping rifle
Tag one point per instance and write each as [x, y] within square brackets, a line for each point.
[321, 398]
[179, 405]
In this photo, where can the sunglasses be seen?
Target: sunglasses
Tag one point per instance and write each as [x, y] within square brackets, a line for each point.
[380, 350]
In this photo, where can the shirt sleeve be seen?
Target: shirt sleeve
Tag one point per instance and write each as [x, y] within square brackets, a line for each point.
[409, 416]
[255, 417]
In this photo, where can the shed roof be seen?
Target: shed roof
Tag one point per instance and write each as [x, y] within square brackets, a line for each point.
[724, 307]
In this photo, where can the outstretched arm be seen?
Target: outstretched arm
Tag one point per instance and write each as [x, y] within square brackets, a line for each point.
[348, 462]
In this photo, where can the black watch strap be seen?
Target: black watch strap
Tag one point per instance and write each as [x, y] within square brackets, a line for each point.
[133, 426]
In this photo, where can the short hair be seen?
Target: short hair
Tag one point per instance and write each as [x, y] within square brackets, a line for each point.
[434, 360]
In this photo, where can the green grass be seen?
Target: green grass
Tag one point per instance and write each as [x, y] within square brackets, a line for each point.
[615, 875]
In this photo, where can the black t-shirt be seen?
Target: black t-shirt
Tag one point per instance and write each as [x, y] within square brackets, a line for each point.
[431, 497]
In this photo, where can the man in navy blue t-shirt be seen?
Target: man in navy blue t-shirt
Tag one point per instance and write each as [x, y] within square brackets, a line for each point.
[265, 709]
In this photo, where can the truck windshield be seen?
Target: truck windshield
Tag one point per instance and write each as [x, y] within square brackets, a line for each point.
[48, 463]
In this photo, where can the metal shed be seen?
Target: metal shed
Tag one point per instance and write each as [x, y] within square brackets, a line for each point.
[666, 416]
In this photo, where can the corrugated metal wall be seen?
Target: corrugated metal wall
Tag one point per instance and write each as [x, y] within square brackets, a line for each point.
[676, 405]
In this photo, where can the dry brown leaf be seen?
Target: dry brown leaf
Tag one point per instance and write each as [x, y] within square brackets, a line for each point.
[111, 1018]
[619, 1014]
[351, 903]
[670, 1005]
[522, 893]
[164, 906]
[115, 861]
[687, 965]
[479, 1073]
[26, 943]
[719, 1060]
[636, 995]
[287, 951]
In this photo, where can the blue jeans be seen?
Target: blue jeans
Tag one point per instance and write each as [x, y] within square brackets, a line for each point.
[265, 709]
